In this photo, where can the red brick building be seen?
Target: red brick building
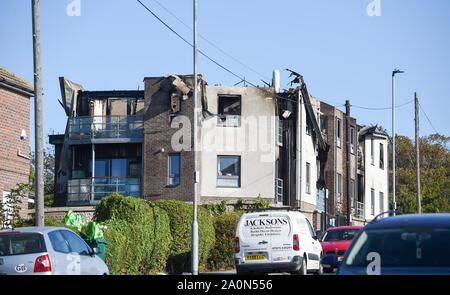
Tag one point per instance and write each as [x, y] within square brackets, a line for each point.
[15, 96]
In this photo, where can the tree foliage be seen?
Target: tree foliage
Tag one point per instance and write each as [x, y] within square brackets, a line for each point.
[435, 173]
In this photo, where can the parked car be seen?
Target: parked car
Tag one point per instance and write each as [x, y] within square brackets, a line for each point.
[276, 241]
[47, 251]
[401, 245]
[336, 240]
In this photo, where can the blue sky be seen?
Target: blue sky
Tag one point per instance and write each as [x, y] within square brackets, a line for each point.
[342, 52]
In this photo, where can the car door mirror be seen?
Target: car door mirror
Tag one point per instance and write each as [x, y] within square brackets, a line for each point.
[319, 235]
[96, 250]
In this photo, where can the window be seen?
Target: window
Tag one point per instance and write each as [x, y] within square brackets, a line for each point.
[174, 169]
[323, 123]
[352, 193]
[21, 244]
[279, 132]
[308, 126]
[311, 230]
[308, 178]
[229, 112]
[372, 201]
[381, 202]
[338, 132]
[352, 140]
[381, 156]
[59, 244]
[228, 171]
[119, 167]
[279, 190]
[76, 244]
[338, 187]
[372, 151]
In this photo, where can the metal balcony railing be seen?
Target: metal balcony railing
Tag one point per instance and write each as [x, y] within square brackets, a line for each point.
[106, 127]
[359, 210]
[92, 190]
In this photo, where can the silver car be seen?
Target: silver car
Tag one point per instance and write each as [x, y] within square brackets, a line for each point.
[47, 251]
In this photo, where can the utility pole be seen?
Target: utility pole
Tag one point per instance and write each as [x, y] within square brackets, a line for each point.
[194, 255]
[347, 159]
[38, 115]
[416, 108]
[394, 203]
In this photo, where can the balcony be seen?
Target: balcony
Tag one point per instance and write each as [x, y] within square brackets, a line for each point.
[90, 191]
[106, 129]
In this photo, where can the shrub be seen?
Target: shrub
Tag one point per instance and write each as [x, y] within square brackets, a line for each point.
[216, 209]
[138, 235]
[180, 214]
[222, 254]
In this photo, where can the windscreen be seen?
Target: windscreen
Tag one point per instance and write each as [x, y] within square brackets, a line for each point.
[21, 243]
[340, 235]
[402, 247]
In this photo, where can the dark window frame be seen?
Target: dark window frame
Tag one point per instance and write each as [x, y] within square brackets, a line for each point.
[169, 172]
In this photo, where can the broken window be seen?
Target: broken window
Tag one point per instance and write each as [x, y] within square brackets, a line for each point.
[352, 140]
[338, 132]
[229, 112]
[381, 156]
[279, 132]
[228, 171]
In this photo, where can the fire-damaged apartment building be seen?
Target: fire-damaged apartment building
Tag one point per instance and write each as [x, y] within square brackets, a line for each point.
[253, 142]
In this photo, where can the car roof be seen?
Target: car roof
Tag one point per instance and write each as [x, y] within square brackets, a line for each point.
[429, 220]
[344, 227]
[33, 229]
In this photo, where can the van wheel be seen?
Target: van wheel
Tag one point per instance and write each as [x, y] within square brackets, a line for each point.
[304, 269]
[319, 272]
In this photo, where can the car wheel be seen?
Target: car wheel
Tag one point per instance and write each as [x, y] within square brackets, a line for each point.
[328, 270]
[319, 272]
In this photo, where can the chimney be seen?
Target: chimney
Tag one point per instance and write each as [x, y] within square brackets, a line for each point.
[276, 80]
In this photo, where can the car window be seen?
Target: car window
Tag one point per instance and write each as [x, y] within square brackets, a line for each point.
[311, 231]
[21, 243]
[59, 244]
[77, 245]
[340, 235]
[403, 247]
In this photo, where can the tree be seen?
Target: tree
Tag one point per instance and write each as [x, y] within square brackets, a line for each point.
[10, 209]
[49, 174]
[435, 173]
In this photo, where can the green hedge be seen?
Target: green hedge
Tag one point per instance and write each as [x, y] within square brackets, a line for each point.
[138, 235]
[180, 214]
[222, 254]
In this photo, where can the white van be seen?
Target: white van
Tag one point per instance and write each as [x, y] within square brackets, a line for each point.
[276, 241]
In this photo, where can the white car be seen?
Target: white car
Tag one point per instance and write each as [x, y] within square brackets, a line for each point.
[47, 251]
[276, 241]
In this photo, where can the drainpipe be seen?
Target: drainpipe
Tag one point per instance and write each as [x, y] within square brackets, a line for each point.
[347, 159]
[93, 173]
[299, 148]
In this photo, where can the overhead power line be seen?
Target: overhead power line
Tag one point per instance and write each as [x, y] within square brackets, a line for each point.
[382, 108]
[428, 118]
[211, 43]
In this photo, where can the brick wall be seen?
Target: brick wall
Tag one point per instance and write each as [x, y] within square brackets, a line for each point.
[14, 152]
[157, 142]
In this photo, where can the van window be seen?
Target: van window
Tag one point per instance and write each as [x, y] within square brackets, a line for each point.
[311, 231]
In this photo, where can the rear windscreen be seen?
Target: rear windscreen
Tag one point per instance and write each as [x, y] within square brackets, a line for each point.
[21, 243]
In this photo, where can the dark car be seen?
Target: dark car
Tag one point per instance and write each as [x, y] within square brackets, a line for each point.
[401, 245]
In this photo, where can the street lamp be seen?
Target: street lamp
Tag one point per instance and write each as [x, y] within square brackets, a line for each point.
[394, 72]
